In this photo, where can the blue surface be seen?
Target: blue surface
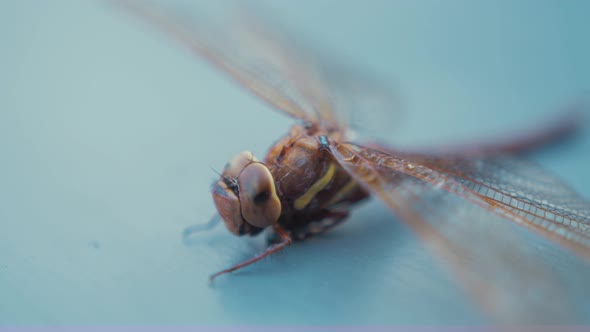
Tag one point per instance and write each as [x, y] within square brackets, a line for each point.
[108, 132]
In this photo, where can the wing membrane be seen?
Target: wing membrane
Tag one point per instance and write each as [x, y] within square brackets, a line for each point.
[507, 185]
[269, 62]
[503, 266]
[244, 58]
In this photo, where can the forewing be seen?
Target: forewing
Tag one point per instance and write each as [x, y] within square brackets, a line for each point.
[515, 275]
[274, 65]
[250, 61]
[522, 192]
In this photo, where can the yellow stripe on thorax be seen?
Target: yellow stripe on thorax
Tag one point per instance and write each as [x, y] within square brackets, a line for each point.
[341, 194]
[303, 200]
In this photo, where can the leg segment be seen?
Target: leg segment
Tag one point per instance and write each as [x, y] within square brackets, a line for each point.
[331, 220]
[190, 230]
[285, 241]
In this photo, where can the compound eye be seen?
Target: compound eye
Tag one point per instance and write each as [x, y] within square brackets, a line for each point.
[235, 166]
[259, 202]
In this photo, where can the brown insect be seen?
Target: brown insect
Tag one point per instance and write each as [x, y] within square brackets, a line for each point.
[468, 204]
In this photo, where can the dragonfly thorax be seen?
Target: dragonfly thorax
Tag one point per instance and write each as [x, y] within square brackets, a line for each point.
[310, 183]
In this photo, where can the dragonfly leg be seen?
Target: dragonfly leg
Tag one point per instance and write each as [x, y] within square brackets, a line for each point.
[331, 220]
[190, 230]
[285, 241]
[336, 218]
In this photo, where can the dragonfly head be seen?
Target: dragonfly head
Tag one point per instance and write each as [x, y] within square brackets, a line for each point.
[245, 195]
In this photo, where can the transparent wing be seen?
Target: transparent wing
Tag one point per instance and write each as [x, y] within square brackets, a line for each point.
[515, 275]
[519, 190]
[251, 61]
[263, 58]
[568, 122]
[507, 185]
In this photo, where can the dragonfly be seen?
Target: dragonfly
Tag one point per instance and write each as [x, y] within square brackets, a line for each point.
[473, 206]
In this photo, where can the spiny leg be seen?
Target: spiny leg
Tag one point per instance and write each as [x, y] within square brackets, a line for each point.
[285, 241]
[190, 230]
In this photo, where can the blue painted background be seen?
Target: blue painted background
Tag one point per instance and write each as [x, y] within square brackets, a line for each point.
[109, 131]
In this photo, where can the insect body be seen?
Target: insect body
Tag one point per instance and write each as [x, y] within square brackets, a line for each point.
[300, 190]
[472, 206]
